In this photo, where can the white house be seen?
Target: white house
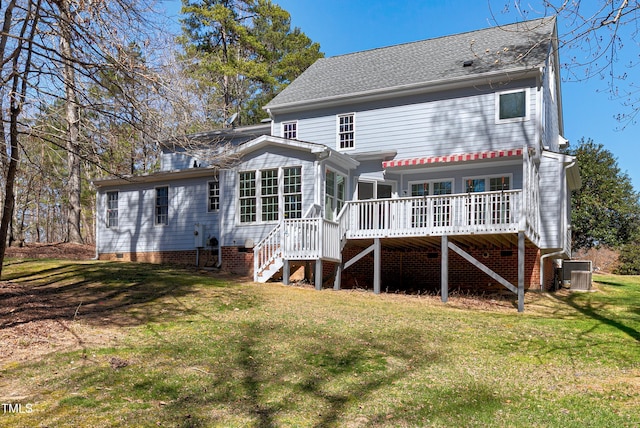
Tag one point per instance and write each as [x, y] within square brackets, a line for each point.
[434, 164]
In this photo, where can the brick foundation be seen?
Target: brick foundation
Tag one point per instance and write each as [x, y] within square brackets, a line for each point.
[415, 270]
[401, 270]
[206, 258]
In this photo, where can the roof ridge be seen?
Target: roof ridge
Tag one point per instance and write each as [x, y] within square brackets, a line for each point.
[439, 37]
[415, 66]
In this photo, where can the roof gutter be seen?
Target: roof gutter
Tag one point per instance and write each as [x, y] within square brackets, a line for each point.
[155, 177]
[404, 90]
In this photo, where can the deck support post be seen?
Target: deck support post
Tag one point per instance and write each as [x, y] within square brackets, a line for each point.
[444, 269]
[286, 272]
[377, 263]
[521, 270]
[337, 282]
[317, 276]
[307, 271]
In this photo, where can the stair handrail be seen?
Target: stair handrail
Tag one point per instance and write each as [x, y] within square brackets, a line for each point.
[267, 250]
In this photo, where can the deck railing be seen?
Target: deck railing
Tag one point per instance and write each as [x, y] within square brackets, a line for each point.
[468, 213]
[487, 212]
[310, 238]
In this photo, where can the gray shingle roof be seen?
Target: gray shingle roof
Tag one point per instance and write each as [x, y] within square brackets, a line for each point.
[519, 46]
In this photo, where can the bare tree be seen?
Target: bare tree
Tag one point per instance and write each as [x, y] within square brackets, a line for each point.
[51, 53]
[19, 56]
[596, 33]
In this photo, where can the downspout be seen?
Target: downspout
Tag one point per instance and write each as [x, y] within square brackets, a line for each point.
[96, 229]
[220, 222]
[564, 236]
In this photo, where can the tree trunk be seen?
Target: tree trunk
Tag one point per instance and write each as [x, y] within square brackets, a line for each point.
[73, 128]
[16, 101]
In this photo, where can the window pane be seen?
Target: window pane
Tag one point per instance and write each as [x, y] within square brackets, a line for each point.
[442, 188]
[162, 205]
[512, 105]
[365, 190]
[214, 196]
[383, 191]
[248, 204]
[475, 185]
[112, 209]
[292, 180]
[269, 192]
[289, 130]
[419, 189]
[346, 132]
[499, 183]
[340, 186]
[292, 192]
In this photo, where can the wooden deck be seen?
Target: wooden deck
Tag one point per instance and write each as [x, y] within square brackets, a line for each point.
[474, 219]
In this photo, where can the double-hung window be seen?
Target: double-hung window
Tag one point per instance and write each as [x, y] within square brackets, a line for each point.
[346, 131]
[213, 199]
[512, 106]
[162, 206]
[248, 201]
[292, 192]
[269, 194]
[112, 209]
[290, 130]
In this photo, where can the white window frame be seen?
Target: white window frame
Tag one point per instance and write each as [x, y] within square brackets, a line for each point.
[276, 195]
[431, 183]
[334, 196]
[109, 210]
[258, 197]
[527, 108]
[215, 198]
[290, 134]
[487, 181]
[392, 183]
[286, 213]
[339, 133]
[156, 206]
[255, 197]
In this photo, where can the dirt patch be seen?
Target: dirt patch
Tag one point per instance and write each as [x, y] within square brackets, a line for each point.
[57, 250]
[37, 321]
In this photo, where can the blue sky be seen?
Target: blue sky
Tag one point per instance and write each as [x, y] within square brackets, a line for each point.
[344, 26]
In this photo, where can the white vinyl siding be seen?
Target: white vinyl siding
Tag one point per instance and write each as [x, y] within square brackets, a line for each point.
[457, 121]
[137, 230]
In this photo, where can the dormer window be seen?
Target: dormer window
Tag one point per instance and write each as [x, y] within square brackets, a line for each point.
[512, 106]
[290, 130]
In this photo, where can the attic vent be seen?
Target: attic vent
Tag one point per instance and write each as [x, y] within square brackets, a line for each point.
[467, 63]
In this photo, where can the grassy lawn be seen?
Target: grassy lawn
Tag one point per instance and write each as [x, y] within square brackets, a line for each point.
[117, 344]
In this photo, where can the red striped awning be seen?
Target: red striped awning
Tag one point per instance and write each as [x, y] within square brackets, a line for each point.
[493, 154]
